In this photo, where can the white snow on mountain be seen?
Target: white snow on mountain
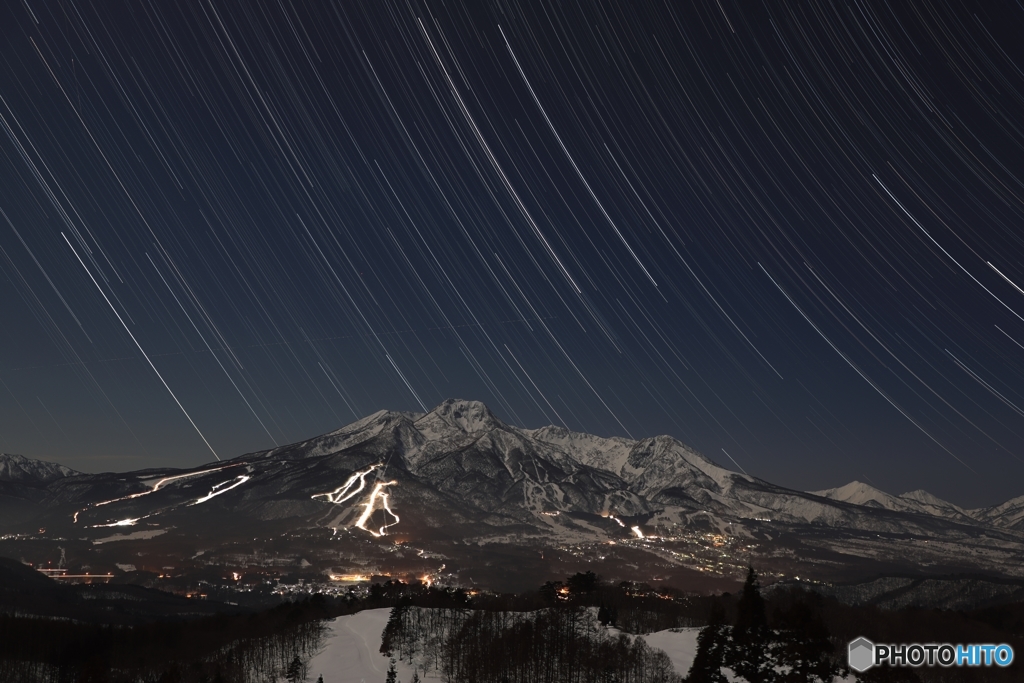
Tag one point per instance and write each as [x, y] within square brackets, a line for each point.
[936, 506]
[1008, 515]
[543, 462]
[860, 493]
[605, 454]
[468, 417]
[659, 469]
[492, 477]
[28, 471]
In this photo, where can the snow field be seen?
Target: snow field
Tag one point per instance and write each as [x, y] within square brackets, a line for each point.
[351, 653]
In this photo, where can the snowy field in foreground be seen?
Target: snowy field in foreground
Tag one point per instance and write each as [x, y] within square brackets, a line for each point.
[680, 646]
[351, 652]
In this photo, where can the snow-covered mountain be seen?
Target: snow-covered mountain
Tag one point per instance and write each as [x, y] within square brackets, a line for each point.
[460, 448]
[1008, 515]
[20, 469]
[457, 476]
[859, 493]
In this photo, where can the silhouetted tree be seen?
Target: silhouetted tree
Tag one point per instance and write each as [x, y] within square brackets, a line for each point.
[294, 672]
[549, 591]
[750, 611]
[582, 583]
[392, 631]
[803, 646]
[711, 644]
[749, 654]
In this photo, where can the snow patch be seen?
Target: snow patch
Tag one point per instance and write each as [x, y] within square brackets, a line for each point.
[351, 653]
[134, 536]
[21, 469]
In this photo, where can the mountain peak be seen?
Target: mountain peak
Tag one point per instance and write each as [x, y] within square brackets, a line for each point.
[919, 501]
[26, 470]
[857, 492]
[468, 417]
[922, 496]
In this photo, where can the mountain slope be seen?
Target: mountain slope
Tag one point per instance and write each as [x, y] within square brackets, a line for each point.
[18, 468]
[457, 479]
[463, 453]
[1009, 515]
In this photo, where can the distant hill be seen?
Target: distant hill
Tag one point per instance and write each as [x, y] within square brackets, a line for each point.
[18, 468]
[25, 591]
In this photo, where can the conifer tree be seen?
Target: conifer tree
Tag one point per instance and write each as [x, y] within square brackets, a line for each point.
[392, 673]
[389, 640]
[803, 646]
[749, 656]
[711, 644]
[582, 583]
[294, 672]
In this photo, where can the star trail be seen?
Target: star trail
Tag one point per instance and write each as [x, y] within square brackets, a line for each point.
[787, 233]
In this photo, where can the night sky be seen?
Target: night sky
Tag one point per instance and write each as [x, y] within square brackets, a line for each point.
[789, 234]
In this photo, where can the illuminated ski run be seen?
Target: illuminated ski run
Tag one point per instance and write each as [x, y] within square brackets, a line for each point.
[350, 490]
[369, 505]
[217, 490]
[617, 520]
[341, 494]
[120, 522]
[132, 521]
[156, 487]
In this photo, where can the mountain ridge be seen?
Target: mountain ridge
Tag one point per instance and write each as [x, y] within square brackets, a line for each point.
[20, 468]
[457, 477]
[659, 467]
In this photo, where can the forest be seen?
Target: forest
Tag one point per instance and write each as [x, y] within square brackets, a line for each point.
[564, 644]
[580, 630]
[222, 649]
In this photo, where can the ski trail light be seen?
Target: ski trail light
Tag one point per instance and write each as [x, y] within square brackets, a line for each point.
[377, 495]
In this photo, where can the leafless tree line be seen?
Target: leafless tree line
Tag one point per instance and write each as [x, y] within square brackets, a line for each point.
[561, 644]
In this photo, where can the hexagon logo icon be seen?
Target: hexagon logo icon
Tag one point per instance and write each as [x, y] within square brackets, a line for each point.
[862, 654]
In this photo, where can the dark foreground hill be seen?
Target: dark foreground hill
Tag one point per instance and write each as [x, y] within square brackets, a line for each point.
[26, 592]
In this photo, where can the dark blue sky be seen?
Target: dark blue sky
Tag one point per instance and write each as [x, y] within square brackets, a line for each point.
[788, 234]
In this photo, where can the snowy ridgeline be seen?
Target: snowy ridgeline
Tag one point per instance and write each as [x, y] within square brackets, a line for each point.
[352, 652]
